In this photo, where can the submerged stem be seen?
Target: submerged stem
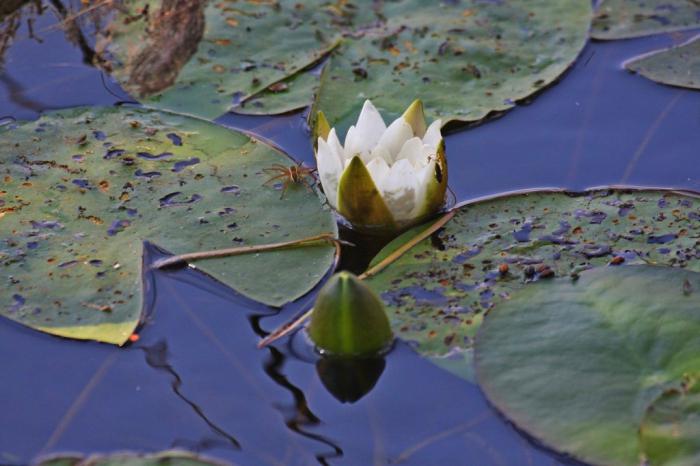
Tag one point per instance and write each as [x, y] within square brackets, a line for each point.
[240, 250]
[285, 329]
[288, 327]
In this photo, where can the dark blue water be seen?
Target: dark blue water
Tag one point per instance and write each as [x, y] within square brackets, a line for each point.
[195, 379]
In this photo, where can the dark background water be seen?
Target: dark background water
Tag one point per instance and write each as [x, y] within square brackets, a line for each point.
[195, 379]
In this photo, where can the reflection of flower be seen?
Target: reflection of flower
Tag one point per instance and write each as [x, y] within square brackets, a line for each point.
[384, 177]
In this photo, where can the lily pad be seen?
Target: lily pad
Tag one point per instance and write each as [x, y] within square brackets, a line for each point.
[292, 94]
[670, 431]
[437, 293]
[578, 363]
[622, 19]
[677, 66]
[83, 189]
[238, 50]
[166, 458]
[463, 59]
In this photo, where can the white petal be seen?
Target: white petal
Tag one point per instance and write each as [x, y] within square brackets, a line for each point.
[379, 169]
[334, 144]
[399, 190]
[413, 152]
[352, 144]
[382, 153]
[429, 153]
[395, 136]
[370, 124]
[329, 170]
[432, 134]
[362, 138]
[423, 178]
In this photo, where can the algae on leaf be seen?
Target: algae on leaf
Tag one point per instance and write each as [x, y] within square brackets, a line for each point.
[463, 59]
[677, 66]
[245, 48]
[165, 458]
[436, 294]
[623, 19]
[582, 364]
[82, 189]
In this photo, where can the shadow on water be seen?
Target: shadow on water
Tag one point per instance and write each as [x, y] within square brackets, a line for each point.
[196, 380]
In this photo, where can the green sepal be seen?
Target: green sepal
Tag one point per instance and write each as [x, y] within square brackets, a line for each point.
[437, 187]
[415, 117]
[359, 200]
[349, 318]
[321, 127]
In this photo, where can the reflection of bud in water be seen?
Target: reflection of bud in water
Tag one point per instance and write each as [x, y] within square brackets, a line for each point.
[349, 318]
[174, 33]
[349, 379]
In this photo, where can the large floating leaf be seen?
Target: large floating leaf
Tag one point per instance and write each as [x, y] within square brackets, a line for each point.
[670, 431]
[437, 292]
[577, 364]
[621, 19]
[166, 458]
[677, 66]
[83, 189]
[243, 48]
[285, 96]
[463, 59]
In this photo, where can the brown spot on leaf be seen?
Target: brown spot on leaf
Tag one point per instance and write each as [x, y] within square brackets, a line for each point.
[278, 87]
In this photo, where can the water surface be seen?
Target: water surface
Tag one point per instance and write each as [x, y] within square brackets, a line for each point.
[195, 379]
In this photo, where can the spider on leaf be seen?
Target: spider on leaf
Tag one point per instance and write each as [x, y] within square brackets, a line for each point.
[288, 175]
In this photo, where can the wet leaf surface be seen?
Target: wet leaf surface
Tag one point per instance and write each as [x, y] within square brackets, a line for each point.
[622, 19]
[284, 96]
[245, 48]
[670, 431]
[83, 189]
[438, 292]
[463, 60]
[677, 66]
[579, 363]
[166, 458]
[490, 54]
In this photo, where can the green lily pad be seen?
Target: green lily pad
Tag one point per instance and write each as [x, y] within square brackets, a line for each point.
[670, 431]
[622, 19]
[677, 66]
[166, 458]
[577, 364]
[437, 293]
[83, 189]
[292, 94]
[463, 61]
[237, 50]
[488, 54]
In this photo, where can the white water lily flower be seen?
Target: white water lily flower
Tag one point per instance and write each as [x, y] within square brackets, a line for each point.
[383, 177]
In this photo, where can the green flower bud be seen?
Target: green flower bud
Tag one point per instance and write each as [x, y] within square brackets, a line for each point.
[349, 318]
